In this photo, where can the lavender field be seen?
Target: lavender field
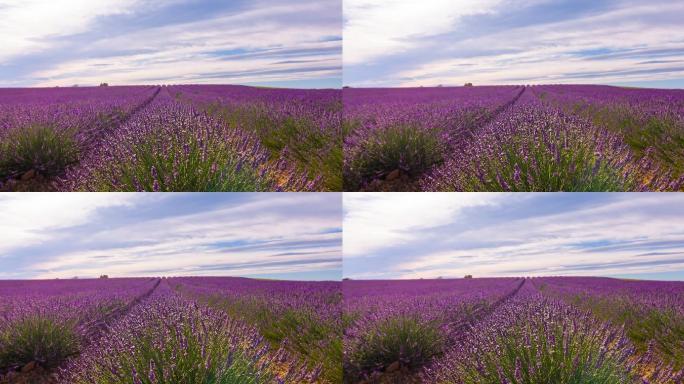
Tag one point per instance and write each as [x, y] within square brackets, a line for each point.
[238, 330]
[514, 330]
[514, 138]
[170, 330]
[170, 138]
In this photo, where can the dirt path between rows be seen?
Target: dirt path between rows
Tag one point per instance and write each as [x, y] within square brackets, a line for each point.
[94, 136]
[469, 132]
[483, 312]
[96, 328]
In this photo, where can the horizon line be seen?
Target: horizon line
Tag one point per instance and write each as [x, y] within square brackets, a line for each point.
[505, 277]
[163, 85]
[163, 277]
[502, 85]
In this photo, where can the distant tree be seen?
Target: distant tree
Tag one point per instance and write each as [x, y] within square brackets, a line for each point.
[104, 85]
[104, 276]
[439, 86]
[346, 87]
[468, 84]
[75, 85]
[468, 277]
[346, 279]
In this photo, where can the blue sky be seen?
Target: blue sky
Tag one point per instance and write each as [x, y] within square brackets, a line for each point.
[271, 235]
[431, 42]
[427, 235]
[295, 43]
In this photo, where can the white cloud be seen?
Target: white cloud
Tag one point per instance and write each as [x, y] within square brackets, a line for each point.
[189, 65]
[28, 218]
[375, 28]
[177, 258]
[373, 221]
[27, 25]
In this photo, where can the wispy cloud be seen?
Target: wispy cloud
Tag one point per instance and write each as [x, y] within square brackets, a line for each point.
[174, 234]
[536, 41]
[374, 28]
[28, 218]
[28, 25]
[183, 41]
[373, 221]
[524, 234]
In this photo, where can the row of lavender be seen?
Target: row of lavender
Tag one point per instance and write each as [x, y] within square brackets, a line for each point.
[169, 339]
[540, 138]
[181, 138]
[651, 314]
[302, 127]
[172, 146]
[650, 120]
[303, 318]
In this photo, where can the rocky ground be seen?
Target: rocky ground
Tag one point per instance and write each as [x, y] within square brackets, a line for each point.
[395, 181]
[31, 373]
[395, 373]
[30, 181]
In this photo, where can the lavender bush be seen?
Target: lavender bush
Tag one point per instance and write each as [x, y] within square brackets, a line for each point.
[533, 340]
[168, 340]
[652, 313]
[302, 127]
[649, 120]
[43, 149]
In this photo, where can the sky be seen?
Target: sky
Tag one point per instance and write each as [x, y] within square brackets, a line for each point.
[287, 43]
[295, 236]
[451, 42]
[429, 235]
